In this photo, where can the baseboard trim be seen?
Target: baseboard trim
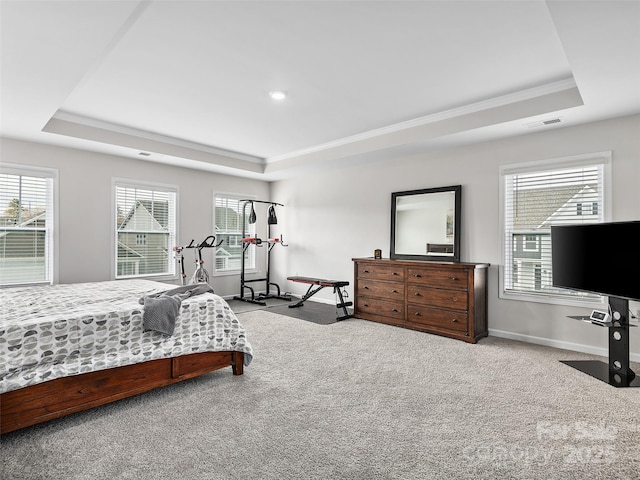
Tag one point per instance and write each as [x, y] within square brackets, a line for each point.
[547, 342]
[550, 342]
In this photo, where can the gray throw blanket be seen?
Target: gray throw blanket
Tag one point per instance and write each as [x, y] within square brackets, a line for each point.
[162, 309]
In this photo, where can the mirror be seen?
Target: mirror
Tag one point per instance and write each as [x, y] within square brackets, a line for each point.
[425, 224]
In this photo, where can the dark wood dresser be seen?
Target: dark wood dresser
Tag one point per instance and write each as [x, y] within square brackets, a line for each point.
[445, 298]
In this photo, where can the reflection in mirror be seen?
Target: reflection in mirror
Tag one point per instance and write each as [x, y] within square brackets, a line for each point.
[425, 224]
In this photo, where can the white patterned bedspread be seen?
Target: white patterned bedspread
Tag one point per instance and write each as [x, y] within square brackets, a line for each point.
[55, 331]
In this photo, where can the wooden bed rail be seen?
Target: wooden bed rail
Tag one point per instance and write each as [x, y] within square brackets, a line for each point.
[62, 396]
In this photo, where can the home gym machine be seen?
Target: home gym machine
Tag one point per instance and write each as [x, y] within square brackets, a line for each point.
[270, 242]
[200, 275]
[317, 284]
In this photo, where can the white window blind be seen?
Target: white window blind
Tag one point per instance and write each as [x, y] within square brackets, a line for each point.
[536, 196]
[145, 230]
[228, 222]
[26, 225]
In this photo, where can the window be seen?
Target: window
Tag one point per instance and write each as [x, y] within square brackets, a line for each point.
[535, 196]
[228, 222]
[531, 243]
[589, 208]
[27, 213]
[145, 218]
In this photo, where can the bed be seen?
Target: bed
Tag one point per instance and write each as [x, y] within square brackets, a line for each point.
[67, 348]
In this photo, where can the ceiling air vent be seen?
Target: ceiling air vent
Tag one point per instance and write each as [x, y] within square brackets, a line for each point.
[543, 123]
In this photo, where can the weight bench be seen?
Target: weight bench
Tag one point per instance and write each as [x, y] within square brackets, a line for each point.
[317, 284]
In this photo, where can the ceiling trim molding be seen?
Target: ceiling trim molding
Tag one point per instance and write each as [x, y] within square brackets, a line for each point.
[535, 92]
[165, 139]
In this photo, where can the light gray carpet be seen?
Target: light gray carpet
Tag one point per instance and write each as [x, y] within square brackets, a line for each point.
[352, 400]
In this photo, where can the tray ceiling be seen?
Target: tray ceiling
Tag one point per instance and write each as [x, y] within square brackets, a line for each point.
[187, 82]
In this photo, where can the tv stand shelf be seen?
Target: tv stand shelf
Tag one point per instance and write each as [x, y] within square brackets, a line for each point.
[617, 372]
[601, 371]
[584, 318]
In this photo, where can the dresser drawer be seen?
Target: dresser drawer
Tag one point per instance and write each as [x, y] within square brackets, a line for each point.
[443, 298]
[439, 277]
[393, 291]
[437, 297]
[385, 308]
[381, 272]
[433, 317]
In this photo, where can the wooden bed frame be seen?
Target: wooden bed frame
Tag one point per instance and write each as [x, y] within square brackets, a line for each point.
[56, 398]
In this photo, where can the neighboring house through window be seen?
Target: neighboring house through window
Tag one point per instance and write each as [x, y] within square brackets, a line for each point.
[27, 224]
[145, 217]
[228, 223]
[535, 196]
[588, 208]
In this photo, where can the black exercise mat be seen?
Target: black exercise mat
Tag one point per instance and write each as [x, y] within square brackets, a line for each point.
[320, 313]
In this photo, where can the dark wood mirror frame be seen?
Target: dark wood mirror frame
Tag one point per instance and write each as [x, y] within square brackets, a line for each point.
[441, 243]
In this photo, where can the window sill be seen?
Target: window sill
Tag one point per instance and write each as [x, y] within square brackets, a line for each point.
[553, 299]
[155, 278]
[26, 284]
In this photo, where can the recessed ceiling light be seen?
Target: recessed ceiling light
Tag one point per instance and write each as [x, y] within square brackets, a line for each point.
[278, 94]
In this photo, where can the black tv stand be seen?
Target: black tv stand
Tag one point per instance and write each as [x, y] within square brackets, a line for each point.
[601, 371]
[617, 372]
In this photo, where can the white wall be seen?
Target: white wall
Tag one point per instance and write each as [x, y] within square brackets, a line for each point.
[335, 216]
[331, 217]
[85, 203]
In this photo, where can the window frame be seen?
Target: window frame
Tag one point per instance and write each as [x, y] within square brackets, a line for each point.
[172, 270]
[252, 267]
[51, 224]
[506, 254]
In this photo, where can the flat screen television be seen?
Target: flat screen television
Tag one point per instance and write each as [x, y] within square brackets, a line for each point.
[601, 258]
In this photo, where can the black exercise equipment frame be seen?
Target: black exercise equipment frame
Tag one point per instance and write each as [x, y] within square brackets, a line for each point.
[209, 242]
[258, 299]
[319, 284]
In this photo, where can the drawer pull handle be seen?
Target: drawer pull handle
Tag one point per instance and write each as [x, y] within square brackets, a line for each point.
[417, 314]
[366, 271]
[455, 279]
[417, 275]
[394, 291]
[417, 294]
[394, 273]
[366, 288]
[366, 305]
[455, 320]
[454, 299]
[394, 310]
